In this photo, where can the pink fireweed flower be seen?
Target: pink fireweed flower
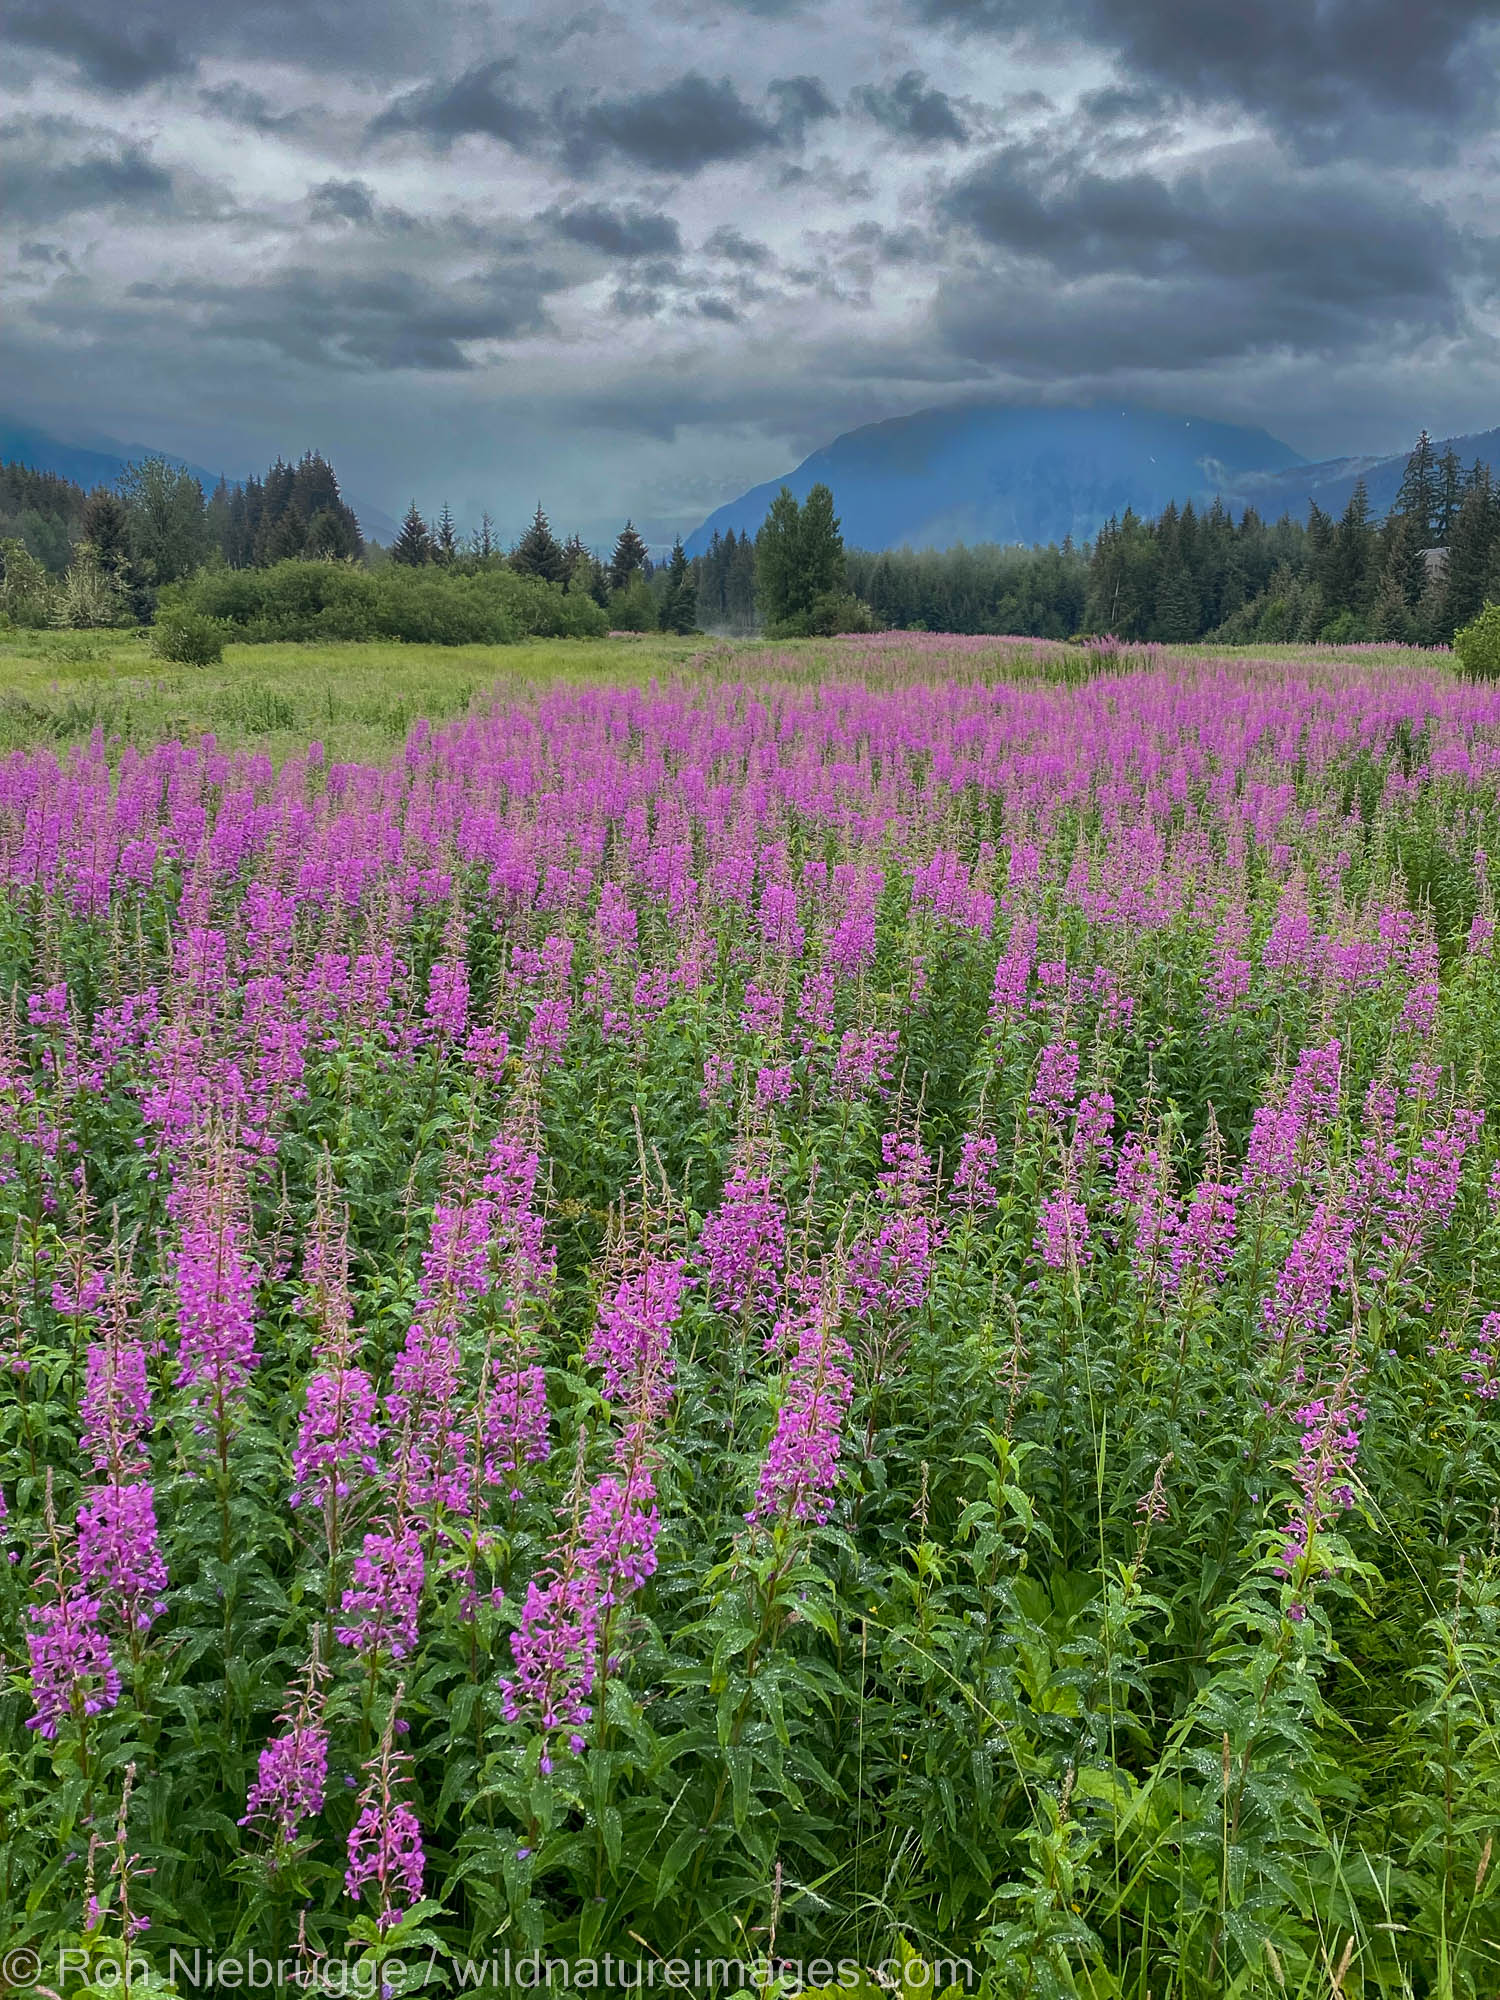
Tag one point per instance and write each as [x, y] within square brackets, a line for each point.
[292, 1775]
[1063, 1231]
[116, 1406]
[1056, 1078]
[455, 1264]
[447, 1003]
[973, 1187]
[382, 1602]
[760, 1013]
[1316, 1270]
[633, 1334]
[547, 1036]
[864, 1062]
[718, 1079]
[338, 1436]
[515, 1427]
[1201, 1237]
[290, 1781]
[215, 1306]
[424, 1411]
[73, 1673]
[801, 1466]
[1483, 1373]
[775, 1084]
[1093, 1128]
[743, 1244]
[385, 1842]
[606, 1555]
[1325, 1468]
[119, 1555]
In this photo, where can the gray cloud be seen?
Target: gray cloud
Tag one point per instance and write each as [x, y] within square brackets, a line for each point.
[113, 58]
[910, 108]
[1331, 234]
[341, 201]
[481, 101]
[54, 167]
[733, 247]
[618, 232]
[1344, 72]
[686, 125]
[385, 320]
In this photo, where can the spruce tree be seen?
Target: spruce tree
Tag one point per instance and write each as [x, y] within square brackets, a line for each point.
[1419, 491]
[484, 540]
[413, 545]
[539, 553]
[821, 564]
[629, 559]
[445, 540]
[777, 552]
[678, 609]
[1450, 488]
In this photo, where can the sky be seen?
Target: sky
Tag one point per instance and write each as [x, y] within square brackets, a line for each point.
[631, 262]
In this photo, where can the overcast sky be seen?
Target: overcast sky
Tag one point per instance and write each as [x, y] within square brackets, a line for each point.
[634, 261]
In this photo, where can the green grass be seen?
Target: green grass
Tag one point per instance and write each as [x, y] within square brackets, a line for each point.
[57, 688]
[359, 700]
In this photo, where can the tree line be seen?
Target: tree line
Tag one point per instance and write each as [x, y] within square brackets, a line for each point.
[70, 557]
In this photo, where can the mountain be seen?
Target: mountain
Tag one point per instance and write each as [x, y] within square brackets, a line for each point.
[1332, 480]
[102, 462]
[989, 472]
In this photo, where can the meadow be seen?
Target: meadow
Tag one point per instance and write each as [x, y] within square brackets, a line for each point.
[808, 1306]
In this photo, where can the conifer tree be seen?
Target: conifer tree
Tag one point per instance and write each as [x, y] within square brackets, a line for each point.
[678, 609]
[629, 559]
[539, 553]
[413, 545]
[445, 540]
[1418, 495]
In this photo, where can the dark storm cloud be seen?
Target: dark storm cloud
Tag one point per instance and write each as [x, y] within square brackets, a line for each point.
[1344, 71]
[910, 108]
[112, 56]
[380, 320]
[53, 167]
[716, 308]
[1330, 234]
[341, 201]
[482, 101]
[618, 232]
[237, 104]
[1105, 276]
[687, 124]
[801, 102]
[728, 243]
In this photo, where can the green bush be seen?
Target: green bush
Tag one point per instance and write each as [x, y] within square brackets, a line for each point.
[305, 600]
[633, 609]
[187, 637]
[830, 613]
[1477, 645]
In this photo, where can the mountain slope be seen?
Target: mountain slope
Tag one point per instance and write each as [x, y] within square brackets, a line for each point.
[1331, 481]
[102, 463]
[994, 473]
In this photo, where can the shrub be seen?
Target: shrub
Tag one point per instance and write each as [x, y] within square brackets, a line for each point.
[187, 637]
[1477, 645]
[297, 599]
[633, 609]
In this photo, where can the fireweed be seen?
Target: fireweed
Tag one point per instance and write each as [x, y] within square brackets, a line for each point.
[878, 1283]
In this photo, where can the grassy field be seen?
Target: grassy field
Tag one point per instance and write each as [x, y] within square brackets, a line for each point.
[359, 701]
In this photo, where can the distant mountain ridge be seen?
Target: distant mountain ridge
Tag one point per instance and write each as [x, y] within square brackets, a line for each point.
[101, 464]
[995, 473]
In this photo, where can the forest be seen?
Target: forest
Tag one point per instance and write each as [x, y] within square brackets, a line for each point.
[117, 556]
